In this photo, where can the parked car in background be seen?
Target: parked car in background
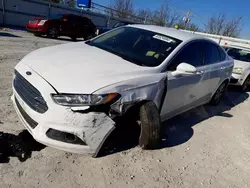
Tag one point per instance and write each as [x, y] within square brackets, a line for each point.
[70, 25]
[140, 73]
[101, 30]
[241, 70]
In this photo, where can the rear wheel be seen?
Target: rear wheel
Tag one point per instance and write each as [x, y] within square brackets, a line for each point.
[52, 33]
[219, 94]
[150, 122]
[246, 84]
[73, 38]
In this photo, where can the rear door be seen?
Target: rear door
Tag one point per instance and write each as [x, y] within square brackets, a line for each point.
[217, 66]
[186, 91]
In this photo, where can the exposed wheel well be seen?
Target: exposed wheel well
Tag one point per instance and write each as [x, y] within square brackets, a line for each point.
[131, 114]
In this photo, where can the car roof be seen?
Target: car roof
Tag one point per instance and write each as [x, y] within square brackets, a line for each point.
[175, 33]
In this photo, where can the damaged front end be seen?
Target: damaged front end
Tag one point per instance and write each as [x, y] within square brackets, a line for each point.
[98, 121]
[80, 123]
[89, 133]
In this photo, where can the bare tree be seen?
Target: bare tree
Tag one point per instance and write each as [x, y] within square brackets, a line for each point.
[123, 8]
[161, 15]
[193, 27]
[71, 3]
[232, 28]
[165, 17]
[220, 25]
[146, 15]
[187, 26]
[172, 19]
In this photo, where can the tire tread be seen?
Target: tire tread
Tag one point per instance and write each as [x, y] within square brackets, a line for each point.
[150, 126]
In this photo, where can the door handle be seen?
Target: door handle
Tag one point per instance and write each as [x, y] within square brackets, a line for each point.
[222, 68]
[199, 72]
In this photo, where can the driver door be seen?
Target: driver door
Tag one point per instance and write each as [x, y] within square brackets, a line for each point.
[185, 91]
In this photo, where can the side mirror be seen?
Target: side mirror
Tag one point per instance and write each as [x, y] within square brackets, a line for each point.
[185, 68]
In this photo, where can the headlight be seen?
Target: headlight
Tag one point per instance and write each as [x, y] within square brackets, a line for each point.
[237, 70]
[42, 22]
[84, 100]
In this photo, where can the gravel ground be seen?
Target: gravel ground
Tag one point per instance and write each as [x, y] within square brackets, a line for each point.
[205, 147]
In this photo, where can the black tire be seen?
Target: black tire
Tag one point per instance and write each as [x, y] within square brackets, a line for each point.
[150, 123]
[245, 84]
[38, 34]
[73, 38]
[88, 37]
[219, 94]
[52, 33]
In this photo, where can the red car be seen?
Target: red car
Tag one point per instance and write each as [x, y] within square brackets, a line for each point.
[73, 26]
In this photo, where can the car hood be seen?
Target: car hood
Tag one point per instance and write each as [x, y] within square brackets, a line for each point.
[80, 68]
[241, 64]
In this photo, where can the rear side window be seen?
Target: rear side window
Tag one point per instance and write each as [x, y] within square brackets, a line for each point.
[212, 54]
[222, 54]
[191, 54]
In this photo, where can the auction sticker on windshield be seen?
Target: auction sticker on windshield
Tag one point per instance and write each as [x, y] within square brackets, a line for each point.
[163, 38]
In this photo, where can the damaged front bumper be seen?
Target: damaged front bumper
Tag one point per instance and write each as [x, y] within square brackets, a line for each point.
[69, 129]
[82, 133]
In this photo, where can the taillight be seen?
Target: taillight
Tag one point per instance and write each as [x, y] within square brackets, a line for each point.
[33, 21]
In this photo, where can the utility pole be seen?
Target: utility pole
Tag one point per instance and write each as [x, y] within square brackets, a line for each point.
[187, 18]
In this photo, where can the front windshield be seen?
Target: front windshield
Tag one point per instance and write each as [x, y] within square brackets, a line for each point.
[239, 54]
[139, 46]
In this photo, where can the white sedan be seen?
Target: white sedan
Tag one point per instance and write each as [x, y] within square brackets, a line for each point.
[71, 96]
[241, 70]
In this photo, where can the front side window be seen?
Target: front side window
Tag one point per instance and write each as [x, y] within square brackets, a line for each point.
[212, 54]
[191, 54]
[139, 46]
[239, 54]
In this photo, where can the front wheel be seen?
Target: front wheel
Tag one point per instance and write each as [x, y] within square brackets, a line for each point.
[218, 95]
[52, 33]
[73, 38]
[150, 122]
[245, 84]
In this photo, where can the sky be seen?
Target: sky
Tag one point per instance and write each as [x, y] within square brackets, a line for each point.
[201, 9]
